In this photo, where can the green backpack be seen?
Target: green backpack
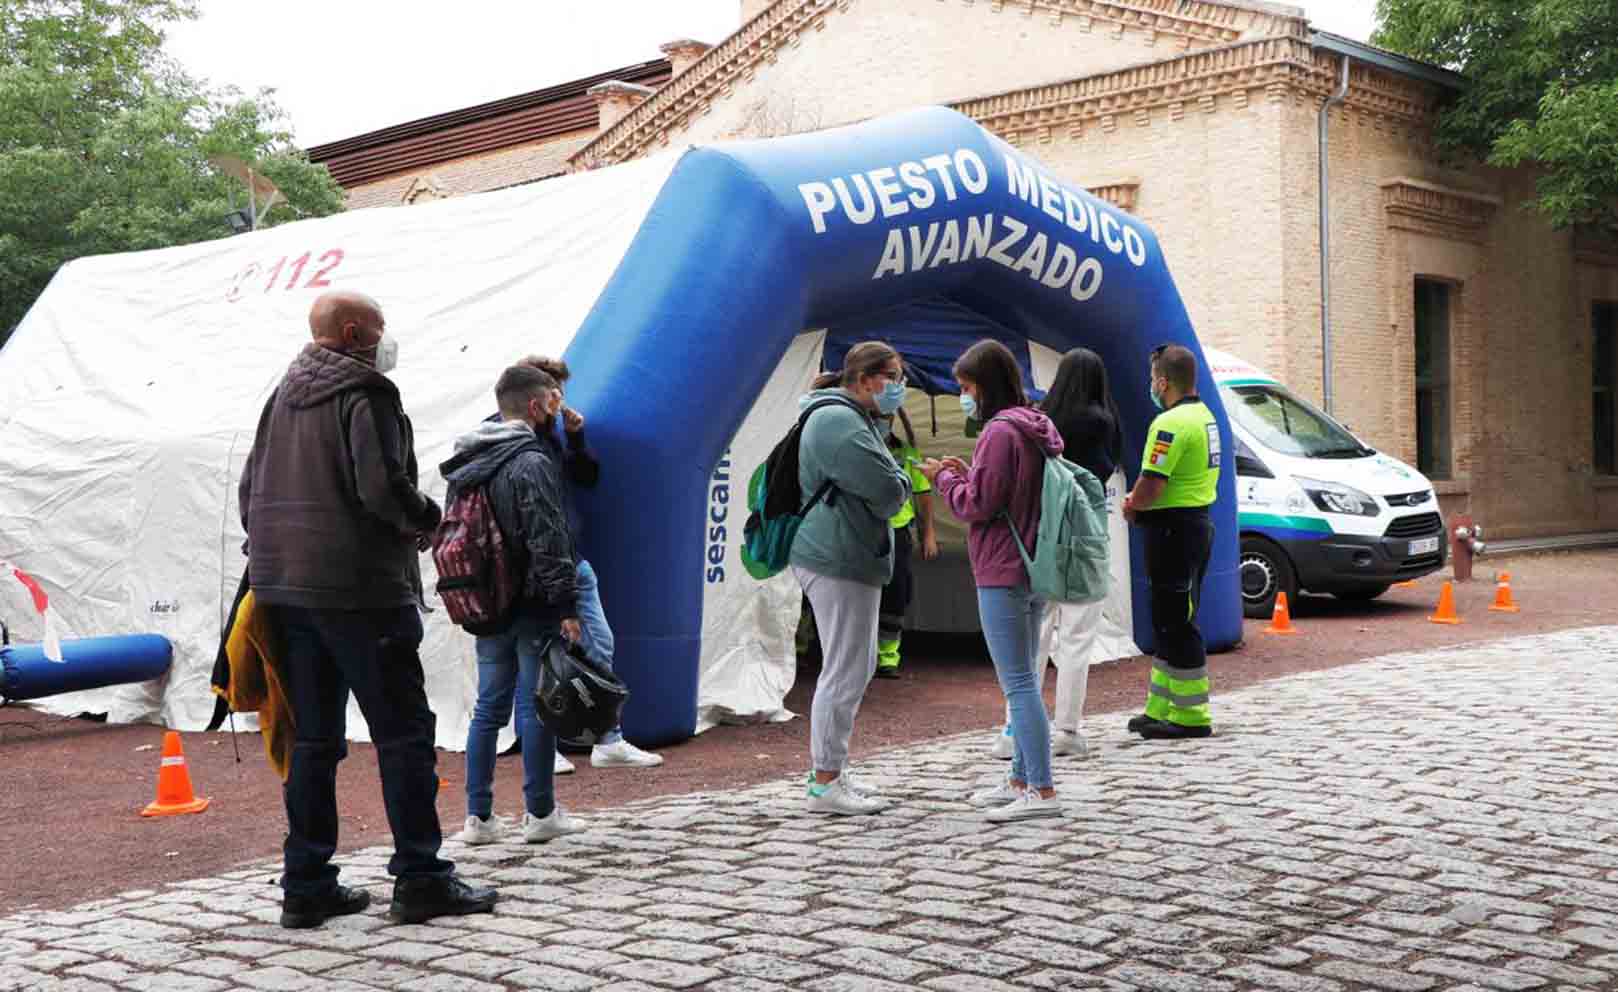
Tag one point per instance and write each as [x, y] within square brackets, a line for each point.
[1070, 562]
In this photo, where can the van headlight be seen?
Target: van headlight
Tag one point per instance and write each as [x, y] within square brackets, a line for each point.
[1334, 497]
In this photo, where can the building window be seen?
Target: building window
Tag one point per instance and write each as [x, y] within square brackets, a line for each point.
[1604, 387]
[1432, 378]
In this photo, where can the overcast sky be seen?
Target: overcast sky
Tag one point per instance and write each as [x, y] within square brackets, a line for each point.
[342, 68]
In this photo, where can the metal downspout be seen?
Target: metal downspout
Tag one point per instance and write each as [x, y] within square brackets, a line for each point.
[1325, 241]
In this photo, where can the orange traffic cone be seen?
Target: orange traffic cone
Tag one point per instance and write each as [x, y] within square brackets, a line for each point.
[1281, 619]
[174, 795]
[1503, 603]
[1446, 606]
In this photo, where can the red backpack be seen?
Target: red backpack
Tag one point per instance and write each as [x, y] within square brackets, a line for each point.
[479, 579]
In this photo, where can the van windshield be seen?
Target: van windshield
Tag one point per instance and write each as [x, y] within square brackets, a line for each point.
[1288, 425]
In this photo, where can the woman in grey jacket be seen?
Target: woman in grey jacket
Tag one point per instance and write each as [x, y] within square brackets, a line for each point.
[843, 554]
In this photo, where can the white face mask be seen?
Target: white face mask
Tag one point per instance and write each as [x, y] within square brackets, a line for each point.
[387, 353]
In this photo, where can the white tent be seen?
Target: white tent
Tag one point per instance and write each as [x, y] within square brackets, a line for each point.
[132, 389]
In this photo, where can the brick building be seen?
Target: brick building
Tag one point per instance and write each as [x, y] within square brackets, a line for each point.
[1466, 336]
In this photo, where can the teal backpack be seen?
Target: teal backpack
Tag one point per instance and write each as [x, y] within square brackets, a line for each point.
[1070, 562]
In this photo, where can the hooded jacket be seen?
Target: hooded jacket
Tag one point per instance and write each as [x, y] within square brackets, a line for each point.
[846, 535]
[1008, 472]
[328, 496]
[528, 495]
[579, 466]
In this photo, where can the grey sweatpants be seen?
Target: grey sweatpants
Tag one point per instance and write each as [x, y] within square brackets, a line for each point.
[846, 617]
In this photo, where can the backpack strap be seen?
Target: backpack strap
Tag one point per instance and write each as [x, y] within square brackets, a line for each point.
[1005, 514]
[828, 489]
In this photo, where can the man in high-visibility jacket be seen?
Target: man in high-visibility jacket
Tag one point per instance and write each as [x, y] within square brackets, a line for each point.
[1179, 480]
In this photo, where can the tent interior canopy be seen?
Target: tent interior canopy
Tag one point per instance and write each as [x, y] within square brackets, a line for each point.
[675, 286]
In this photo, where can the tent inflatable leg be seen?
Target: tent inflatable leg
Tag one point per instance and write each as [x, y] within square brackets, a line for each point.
[87, 663]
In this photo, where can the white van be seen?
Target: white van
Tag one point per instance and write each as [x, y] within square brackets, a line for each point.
[1318, 510]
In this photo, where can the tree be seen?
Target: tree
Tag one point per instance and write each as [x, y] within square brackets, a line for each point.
[1542, 88]
[104, 142]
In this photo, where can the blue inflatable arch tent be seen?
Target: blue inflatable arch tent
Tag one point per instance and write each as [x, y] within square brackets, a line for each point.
[749, 244]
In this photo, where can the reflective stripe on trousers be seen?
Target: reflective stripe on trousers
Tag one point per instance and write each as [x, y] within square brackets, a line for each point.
[1178, 695]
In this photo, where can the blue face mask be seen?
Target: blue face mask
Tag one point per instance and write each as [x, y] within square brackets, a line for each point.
[890, 398]
[1157, 398]
[969, 406]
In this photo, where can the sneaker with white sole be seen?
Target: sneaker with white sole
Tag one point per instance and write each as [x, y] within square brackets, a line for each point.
[1004, 744]
[998, 795]
[1028, 806]
[537, 830]
[484, 831]
[622, 754]
[563, 766]
[1068, 742]
[856, 785]
[837, 799]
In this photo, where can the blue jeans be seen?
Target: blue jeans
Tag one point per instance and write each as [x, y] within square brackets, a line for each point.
[1011, 621]
[508, 671]
[325, 655]
[598, 642]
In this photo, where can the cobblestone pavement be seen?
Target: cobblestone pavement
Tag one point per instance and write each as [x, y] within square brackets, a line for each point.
[1434, 821]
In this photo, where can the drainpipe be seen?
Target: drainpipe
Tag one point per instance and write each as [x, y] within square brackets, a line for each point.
[1325, 241]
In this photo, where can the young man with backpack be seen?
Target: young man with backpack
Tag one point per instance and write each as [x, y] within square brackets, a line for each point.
[515, 586]
[564, 443]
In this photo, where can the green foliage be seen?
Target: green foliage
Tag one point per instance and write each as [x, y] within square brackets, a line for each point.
[1542, 89]
[104, 142]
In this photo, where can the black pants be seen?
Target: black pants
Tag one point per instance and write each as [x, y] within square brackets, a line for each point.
[896, 595]
[326, 654]
[1178, 546]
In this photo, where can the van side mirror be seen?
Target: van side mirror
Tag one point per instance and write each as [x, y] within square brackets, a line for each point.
[1252, 468]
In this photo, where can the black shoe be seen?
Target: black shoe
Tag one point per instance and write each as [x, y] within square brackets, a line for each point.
[417, 900]
[887, 671]
[304, 912]
[1138, 724]
[1160, 731]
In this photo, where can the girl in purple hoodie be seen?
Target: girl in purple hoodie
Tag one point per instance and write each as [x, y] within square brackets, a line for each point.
[1001, 490]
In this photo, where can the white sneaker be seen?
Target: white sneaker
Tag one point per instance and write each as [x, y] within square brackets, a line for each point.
[858, 786]
[999, 795]
[558, 824]
[1004, 745]
[622, 754]
[1068, 742]
[563, 766]
[1028, 806]
[837, 799]
[477, 832]
[855, 785]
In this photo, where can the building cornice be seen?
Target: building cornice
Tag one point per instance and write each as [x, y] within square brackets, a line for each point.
[1439, 211]
[714, 75]
[1183, 24]
[1278, 68]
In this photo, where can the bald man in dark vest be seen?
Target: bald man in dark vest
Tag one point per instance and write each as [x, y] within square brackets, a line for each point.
[335, 523]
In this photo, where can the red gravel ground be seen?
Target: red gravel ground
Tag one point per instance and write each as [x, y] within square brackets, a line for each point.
[72, 789]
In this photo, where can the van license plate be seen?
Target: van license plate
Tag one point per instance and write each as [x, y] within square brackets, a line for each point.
[1425, 546]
